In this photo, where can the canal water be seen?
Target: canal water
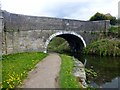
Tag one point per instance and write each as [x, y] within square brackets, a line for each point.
[107, 69]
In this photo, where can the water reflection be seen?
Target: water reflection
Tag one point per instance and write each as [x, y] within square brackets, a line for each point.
[107, 68]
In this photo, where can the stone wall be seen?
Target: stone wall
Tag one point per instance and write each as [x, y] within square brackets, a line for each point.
[1, 28]
[22, 22]
[23, 33]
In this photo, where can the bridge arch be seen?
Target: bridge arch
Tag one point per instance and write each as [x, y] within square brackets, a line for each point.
[76, 41]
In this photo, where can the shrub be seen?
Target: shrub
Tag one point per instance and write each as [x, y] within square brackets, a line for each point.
[104, 47]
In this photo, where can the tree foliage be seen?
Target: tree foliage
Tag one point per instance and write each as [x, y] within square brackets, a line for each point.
[100, 16]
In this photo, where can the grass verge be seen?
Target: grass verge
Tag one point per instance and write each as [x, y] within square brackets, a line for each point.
[15, 67]
[66, 78]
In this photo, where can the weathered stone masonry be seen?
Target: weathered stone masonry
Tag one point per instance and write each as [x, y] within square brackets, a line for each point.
[23, 33]
[1, 28]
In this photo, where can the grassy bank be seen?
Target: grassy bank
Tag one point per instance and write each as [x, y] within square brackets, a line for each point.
[104, 47]
[15, 67]
[59, 45]
[66, 78]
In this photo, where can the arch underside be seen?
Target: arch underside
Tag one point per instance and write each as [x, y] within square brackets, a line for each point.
[75, 41]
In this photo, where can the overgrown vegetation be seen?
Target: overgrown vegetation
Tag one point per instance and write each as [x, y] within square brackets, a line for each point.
[15, 67]
[90, 73]
[104, 47]
[114, 32]
[59, 45]
[66, 78]
[114, 29]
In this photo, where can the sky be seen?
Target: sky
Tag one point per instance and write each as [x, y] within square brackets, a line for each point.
[69, 9]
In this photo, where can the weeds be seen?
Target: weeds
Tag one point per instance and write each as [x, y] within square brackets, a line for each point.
[15, 67]
[104, 47]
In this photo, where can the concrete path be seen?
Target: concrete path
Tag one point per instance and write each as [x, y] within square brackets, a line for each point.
[45, 74]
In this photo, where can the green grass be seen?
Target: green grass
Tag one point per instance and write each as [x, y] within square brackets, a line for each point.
[59, 45]
[66, 78]
[113, 29]
[15, 67]
[104, 47]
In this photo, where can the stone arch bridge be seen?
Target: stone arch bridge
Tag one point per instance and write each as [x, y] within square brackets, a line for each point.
[22, 33]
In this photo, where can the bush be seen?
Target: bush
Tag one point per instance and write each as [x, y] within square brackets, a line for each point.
[104, 47]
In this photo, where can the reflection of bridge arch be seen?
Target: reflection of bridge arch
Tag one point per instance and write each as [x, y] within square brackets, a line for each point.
[75, 40]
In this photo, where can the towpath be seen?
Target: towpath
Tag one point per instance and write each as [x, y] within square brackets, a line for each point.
[45, 74]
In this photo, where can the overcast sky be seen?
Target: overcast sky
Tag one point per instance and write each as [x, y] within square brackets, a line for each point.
[72, 9]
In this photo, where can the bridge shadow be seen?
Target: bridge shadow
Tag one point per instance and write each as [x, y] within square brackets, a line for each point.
[62, 46]
[65, 42]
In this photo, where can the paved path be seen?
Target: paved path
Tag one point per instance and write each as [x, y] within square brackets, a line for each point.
[45, 74]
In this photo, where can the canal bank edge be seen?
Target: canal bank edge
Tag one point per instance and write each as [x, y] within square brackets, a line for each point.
[79, 72]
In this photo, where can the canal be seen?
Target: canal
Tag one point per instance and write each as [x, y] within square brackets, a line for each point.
[107, 69]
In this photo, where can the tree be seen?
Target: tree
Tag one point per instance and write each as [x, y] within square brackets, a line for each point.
[112, 19]
[100, 16]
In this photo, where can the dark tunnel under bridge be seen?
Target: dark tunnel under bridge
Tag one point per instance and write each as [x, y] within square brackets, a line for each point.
[75, 41]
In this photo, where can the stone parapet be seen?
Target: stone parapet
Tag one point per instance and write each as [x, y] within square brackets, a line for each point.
[16, 22]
